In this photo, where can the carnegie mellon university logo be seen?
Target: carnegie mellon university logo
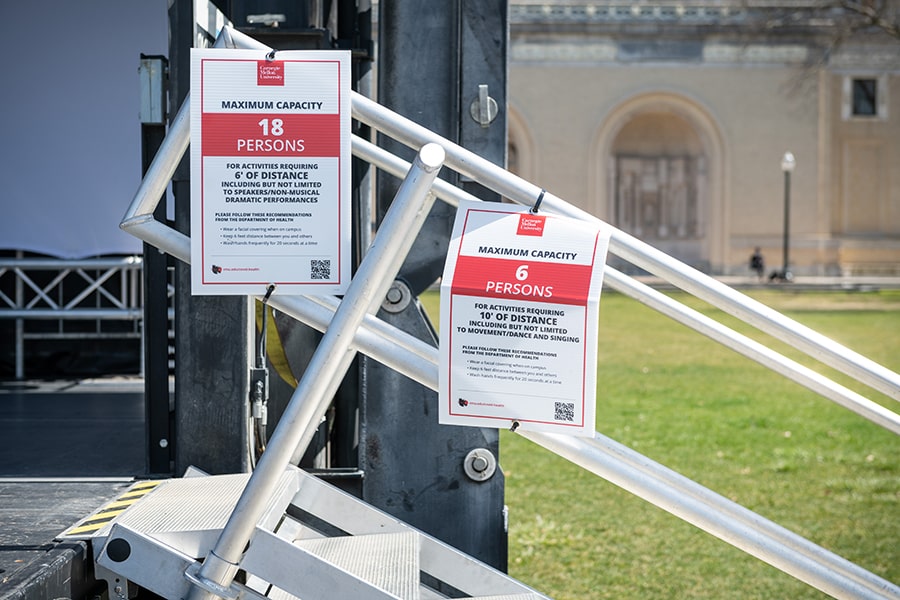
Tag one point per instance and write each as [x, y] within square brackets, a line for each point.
[531, 224]
[216, 269]
[270, 72]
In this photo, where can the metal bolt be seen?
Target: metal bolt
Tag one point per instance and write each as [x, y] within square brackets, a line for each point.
[480, 464]
[394, 295]
[397, 298]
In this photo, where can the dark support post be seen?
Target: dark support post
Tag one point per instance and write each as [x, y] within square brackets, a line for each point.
[154, 73]
[354, 32]
[433, 58]
[212, 333]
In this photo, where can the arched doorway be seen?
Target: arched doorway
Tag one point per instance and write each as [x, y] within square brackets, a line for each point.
[660, 191]
[520, 146]
[660, 165]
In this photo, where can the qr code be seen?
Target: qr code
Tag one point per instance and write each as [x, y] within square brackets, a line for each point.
[564, 411]
[320, 269]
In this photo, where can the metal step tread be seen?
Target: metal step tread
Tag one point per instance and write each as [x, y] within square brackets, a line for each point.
[195, 503]
[186, 513]
[313, 542]
[101, 519]
[389, 561]
[189, 513]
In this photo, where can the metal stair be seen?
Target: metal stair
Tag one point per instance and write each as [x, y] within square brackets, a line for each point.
[313, 542]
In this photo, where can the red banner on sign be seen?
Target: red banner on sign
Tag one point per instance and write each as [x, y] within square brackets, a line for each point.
[522, 280]
[278, 134]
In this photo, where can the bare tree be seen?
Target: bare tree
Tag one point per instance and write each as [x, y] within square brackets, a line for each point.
[862, 14]
[830, 25]
[845, 18]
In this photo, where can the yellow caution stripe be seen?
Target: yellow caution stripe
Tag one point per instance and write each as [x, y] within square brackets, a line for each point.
[97, 521]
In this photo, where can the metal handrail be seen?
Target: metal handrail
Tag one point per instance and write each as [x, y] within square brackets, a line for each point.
[50, 264]
[621, 466]
[676, 310]
[637, 252]
[65, 267]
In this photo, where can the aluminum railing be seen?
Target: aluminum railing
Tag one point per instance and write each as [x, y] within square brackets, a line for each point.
[641, 476]
[47, 289]
[881, 378]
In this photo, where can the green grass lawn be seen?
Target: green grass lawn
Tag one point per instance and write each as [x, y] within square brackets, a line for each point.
[729, 424]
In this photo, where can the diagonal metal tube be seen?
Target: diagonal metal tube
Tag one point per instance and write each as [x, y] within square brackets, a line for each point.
[680, 312]
[719, 516]
[639, 253]
[755, 351]
[327, 367]
[162, 167]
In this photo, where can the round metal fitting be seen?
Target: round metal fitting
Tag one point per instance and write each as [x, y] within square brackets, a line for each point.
[480, 464]
[397, 298]
[118, 550]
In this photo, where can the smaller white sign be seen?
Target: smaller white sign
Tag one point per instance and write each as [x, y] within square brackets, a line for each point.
[270, 171]
[520, 299]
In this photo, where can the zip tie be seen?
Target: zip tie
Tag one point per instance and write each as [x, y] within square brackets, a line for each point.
[261, 350]
[537, 203]
[269, 291]
[271, 55]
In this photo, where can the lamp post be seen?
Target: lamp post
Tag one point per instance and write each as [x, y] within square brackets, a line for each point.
[787, 166]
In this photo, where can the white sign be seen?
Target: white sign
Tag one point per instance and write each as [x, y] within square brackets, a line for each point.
[270, 171]
[519, 309]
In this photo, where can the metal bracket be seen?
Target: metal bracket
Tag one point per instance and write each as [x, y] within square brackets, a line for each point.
[153, 74]
[484, 109]
[136, 558]
[259, 392]
[192, 574]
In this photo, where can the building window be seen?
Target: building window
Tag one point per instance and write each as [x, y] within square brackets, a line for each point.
[864, 98]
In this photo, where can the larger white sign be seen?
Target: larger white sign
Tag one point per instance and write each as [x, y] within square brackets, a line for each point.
[519, 310]
[270, 171]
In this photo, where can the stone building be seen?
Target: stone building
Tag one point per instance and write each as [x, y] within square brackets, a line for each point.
[670, 118]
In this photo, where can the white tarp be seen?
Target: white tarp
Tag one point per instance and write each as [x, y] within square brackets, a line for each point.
[69, 122]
